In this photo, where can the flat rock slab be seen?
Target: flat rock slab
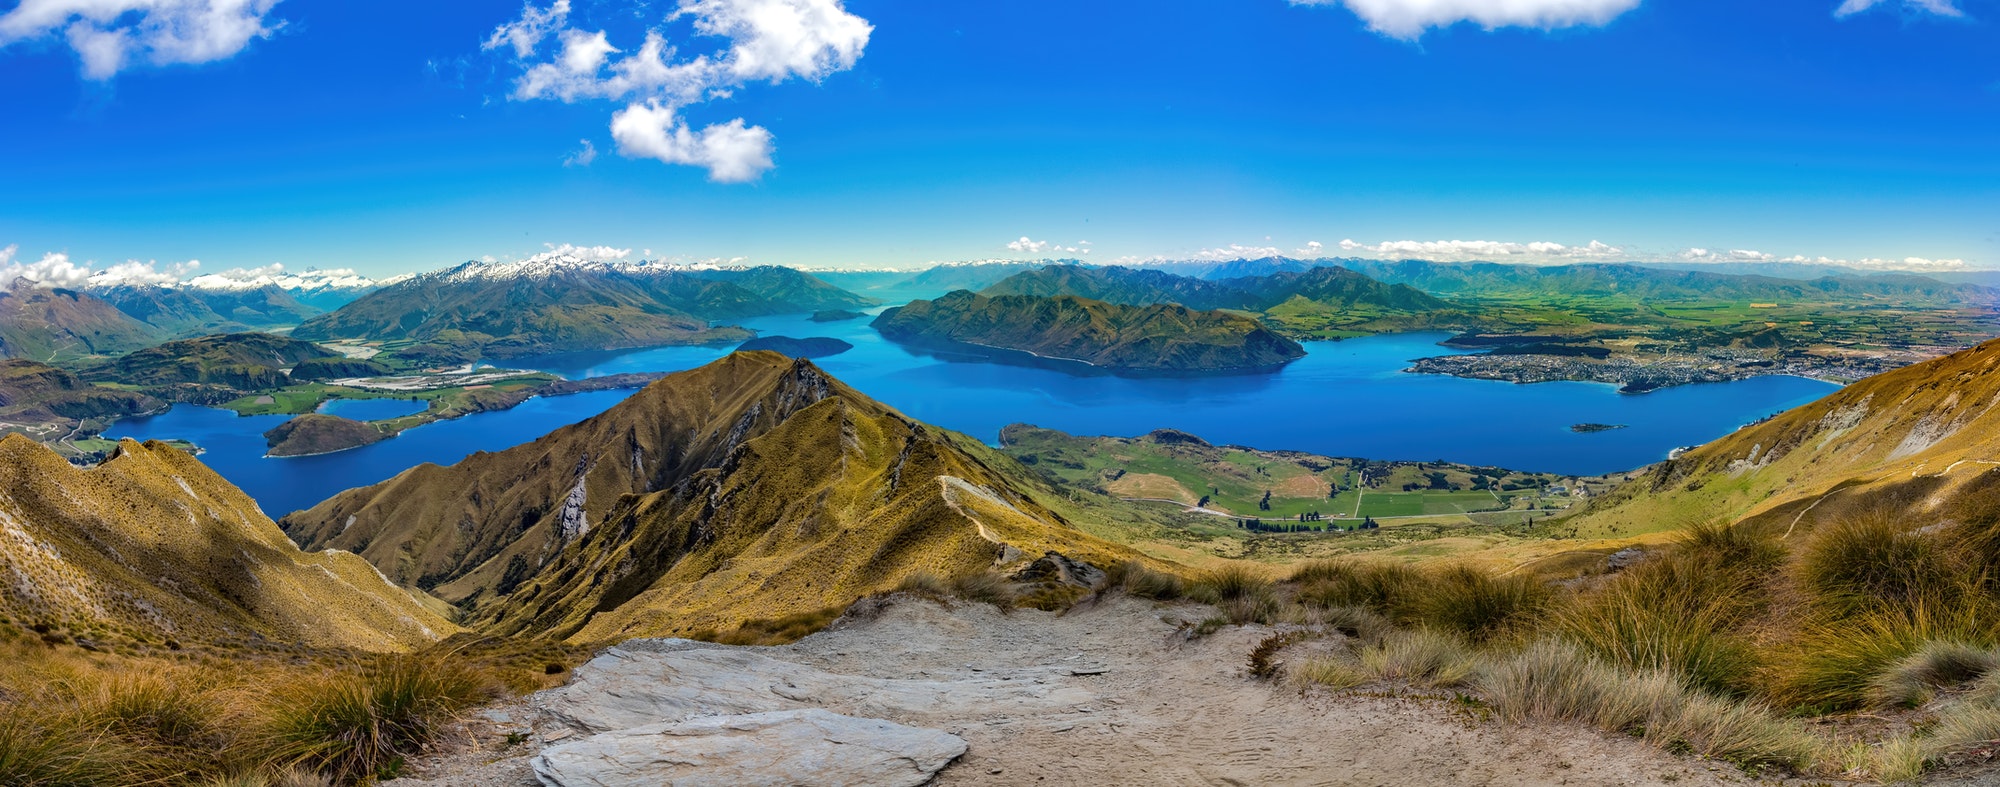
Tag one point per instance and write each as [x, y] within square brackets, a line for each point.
[650, 682]
[775, 748]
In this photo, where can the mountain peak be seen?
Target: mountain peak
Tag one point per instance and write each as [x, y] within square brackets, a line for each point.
[756, 486]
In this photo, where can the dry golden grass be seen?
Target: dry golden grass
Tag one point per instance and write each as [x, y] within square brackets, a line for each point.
[70, 717]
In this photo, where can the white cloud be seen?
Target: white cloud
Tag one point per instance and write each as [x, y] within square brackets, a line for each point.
[1312, 249]
[1911, 264]
[110, 35]
[1462, 250]
[732, 152]
[1409, 19]
[56, 269]
[581, 253]
[767, 40]
[1027, 246]
[581, 158]
[1938, 7]
[1733, 255]
[275, 274]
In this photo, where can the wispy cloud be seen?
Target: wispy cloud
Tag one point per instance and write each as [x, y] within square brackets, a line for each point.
[582, 157]
[1409, 19]
[112, 35]
[767, 41]
[1936, 7]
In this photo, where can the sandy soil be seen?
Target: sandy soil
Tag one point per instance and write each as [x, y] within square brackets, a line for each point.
[1164, 710]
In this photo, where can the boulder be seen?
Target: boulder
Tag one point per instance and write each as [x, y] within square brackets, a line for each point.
[777, 748]
[1056, 567]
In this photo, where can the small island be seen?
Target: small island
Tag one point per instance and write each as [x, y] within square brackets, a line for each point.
[1589, 428]
[810, 347]
[1084, 336]
[314, 433]
[836, 315]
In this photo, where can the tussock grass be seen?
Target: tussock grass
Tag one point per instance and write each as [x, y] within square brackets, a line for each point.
[1424, 657]
[779, 630]
[1552, 680]
[1231, 583]
[926, 585]
[1964, 728]
[1474, 602]
[1679, 612]
[1137, 580]
[985, 587]
[1347, 583]
[1836, 663]
[104, 719]
[1938, 664]
[1333, 673]
[358, 725]
[55, 753]
[1873, 560]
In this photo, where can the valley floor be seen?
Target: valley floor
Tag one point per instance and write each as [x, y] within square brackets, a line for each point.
[1109, 693]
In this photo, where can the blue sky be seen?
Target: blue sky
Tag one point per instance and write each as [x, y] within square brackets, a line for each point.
[389, 137]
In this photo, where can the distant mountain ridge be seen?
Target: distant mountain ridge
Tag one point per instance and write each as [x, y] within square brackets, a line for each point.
[542, 306]
[754, 487]
[50, 323]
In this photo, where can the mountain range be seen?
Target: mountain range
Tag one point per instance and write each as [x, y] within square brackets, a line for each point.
[504, 310]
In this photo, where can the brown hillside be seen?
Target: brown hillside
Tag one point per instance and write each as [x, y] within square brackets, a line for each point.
[152, 546]
[1933, 424]
[753, 487]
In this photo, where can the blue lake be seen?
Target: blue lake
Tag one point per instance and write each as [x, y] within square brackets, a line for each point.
[373, 409]
[1345, 398]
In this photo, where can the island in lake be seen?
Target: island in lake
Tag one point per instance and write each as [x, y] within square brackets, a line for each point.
[1090, 336]
[810, 347]
[1589, 428]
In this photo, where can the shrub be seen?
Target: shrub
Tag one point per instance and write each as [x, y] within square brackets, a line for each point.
[1263, 658]
[1937, 664]
[1421, 656]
